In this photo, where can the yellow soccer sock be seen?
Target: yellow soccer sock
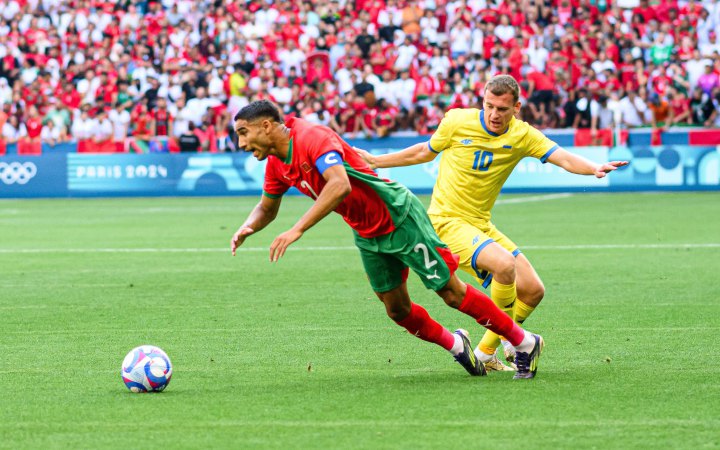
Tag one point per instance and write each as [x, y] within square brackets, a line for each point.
[504, 296]
[521, 311]
[489, 343]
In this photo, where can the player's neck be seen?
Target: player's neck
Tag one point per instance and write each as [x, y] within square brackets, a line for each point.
[282, 142]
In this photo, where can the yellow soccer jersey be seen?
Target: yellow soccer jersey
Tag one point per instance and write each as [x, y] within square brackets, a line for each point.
[475, 162]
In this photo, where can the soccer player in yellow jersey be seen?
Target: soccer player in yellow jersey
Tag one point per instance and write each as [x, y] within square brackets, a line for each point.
[480, 149]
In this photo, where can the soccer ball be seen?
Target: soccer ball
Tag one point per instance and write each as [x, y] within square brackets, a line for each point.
[146, 369]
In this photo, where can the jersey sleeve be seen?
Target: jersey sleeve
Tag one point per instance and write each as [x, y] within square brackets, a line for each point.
[321, 142]
[442, 138]
[273, 186]
[324, 162]
[538, 145]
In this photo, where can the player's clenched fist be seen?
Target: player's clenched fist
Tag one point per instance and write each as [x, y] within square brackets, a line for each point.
[239, 237]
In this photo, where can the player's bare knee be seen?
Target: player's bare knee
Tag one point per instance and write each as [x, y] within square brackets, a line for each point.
[453, 293]
[452, 300]
[532, 295]
[397, 311]
[504, 270]
[397, 303]
[538, 293]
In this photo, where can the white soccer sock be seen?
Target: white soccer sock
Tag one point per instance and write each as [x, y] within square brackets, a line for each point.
[527, 344]
[458, 346]
[482, 356]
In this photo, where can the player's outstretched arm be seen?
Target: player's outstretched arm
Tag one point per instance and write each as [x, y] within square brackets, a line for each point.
[263, 213]
[415, 154]
[577, 164]
[335, 190]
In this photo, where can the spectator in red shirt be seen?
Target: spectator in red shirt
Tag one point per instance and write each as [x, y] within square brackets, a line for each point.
[612, 82]
[106, 93]
[680, 106]
[206, 133]
[645, 11]
[162, 119]
[70, 97]
[143, 123]
[34, 125]
[539, 92]
[351, 113]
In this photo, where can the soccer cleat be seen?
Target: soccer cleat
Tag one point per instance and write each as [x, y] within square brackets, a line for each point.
[509, 351]
[467, 357]
[527, 362]
[495, 365]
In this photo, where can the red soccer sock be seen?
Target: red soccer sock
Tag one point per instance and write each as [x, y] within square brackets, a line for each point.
[419, 323]
[481, 308]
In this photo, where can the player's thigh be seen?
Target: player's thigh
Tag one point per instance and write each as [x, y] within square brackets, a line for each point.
[530, 287]
[499, 256]
[384, 272]
[416, 243]
[481, 247]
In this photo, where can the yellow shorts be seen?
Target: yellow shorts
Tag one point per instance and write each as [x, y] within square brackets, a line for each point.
[467, 237]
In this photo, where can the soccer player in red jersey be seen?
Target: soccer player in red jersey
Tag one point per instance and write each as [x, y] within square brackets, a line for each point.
[392, 230]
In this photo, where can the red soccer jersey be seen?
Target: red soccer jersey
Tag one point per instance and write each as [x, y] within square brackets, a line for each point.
[679, 105]
[162, 121]
[542, 81]
[34, 127]
[373, 207]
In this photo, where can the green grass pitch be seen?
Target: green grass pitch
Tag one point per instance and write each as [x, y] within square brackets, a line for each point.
[300, 354]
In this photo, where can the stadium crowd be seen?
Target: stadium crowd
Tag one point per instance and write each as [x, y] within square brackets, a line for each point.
[122, 74]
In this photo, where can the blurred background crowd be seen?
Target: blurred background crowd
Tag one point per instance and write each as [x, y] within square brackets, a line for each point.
[126, 74]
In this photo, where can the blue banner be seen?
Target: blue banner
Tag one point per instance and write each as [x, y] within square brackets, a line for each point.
[675, 167]
[164, 174]
[33, 176]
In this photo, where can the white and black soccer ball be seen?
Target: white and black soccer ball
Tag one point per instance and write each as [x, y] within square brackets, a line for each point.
[146, 369]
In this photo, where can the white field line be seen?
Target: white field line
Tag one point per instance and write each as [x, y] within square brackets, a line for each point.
[532, 198]
[349, 248]
[384, 424]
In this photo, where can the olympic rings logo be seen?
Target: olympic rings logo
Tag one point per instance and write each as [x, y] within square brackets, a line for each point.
[16, 172]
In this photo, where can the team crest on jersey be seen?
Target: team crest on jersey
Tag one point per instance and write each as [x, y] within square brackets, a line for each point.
[466, 141]
[306, 167]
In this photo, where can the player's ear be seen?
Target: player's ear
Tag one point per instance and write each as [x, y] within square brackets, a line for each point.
[266, 125]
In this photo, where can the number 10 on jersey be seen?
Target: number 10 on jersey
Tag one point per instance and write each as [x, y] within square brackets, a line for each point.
[482, 161]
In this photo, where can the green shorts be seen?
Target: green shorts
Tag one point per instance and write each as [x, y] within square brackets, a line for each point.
[413, 244]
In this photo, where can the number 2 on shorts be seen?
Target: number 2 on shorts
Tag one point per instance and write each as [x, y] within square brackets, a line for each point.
[428, 262]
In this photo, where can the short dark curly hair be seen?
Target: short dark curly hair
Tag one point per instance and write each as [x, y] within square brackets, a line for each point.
[259, 109]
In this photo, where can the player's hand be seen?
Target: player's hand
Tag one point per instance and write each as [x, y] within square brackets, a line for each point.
[282, 242]
[366, 156]
[239, 237]
[609, 167]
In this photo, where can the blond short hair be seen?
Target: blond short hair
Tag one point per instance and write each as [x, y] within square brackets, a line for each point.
[504, 84]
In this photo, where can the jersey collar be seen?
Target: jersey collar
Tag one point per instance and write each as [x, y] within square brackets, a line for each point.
[288, 158]
[491, 133]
